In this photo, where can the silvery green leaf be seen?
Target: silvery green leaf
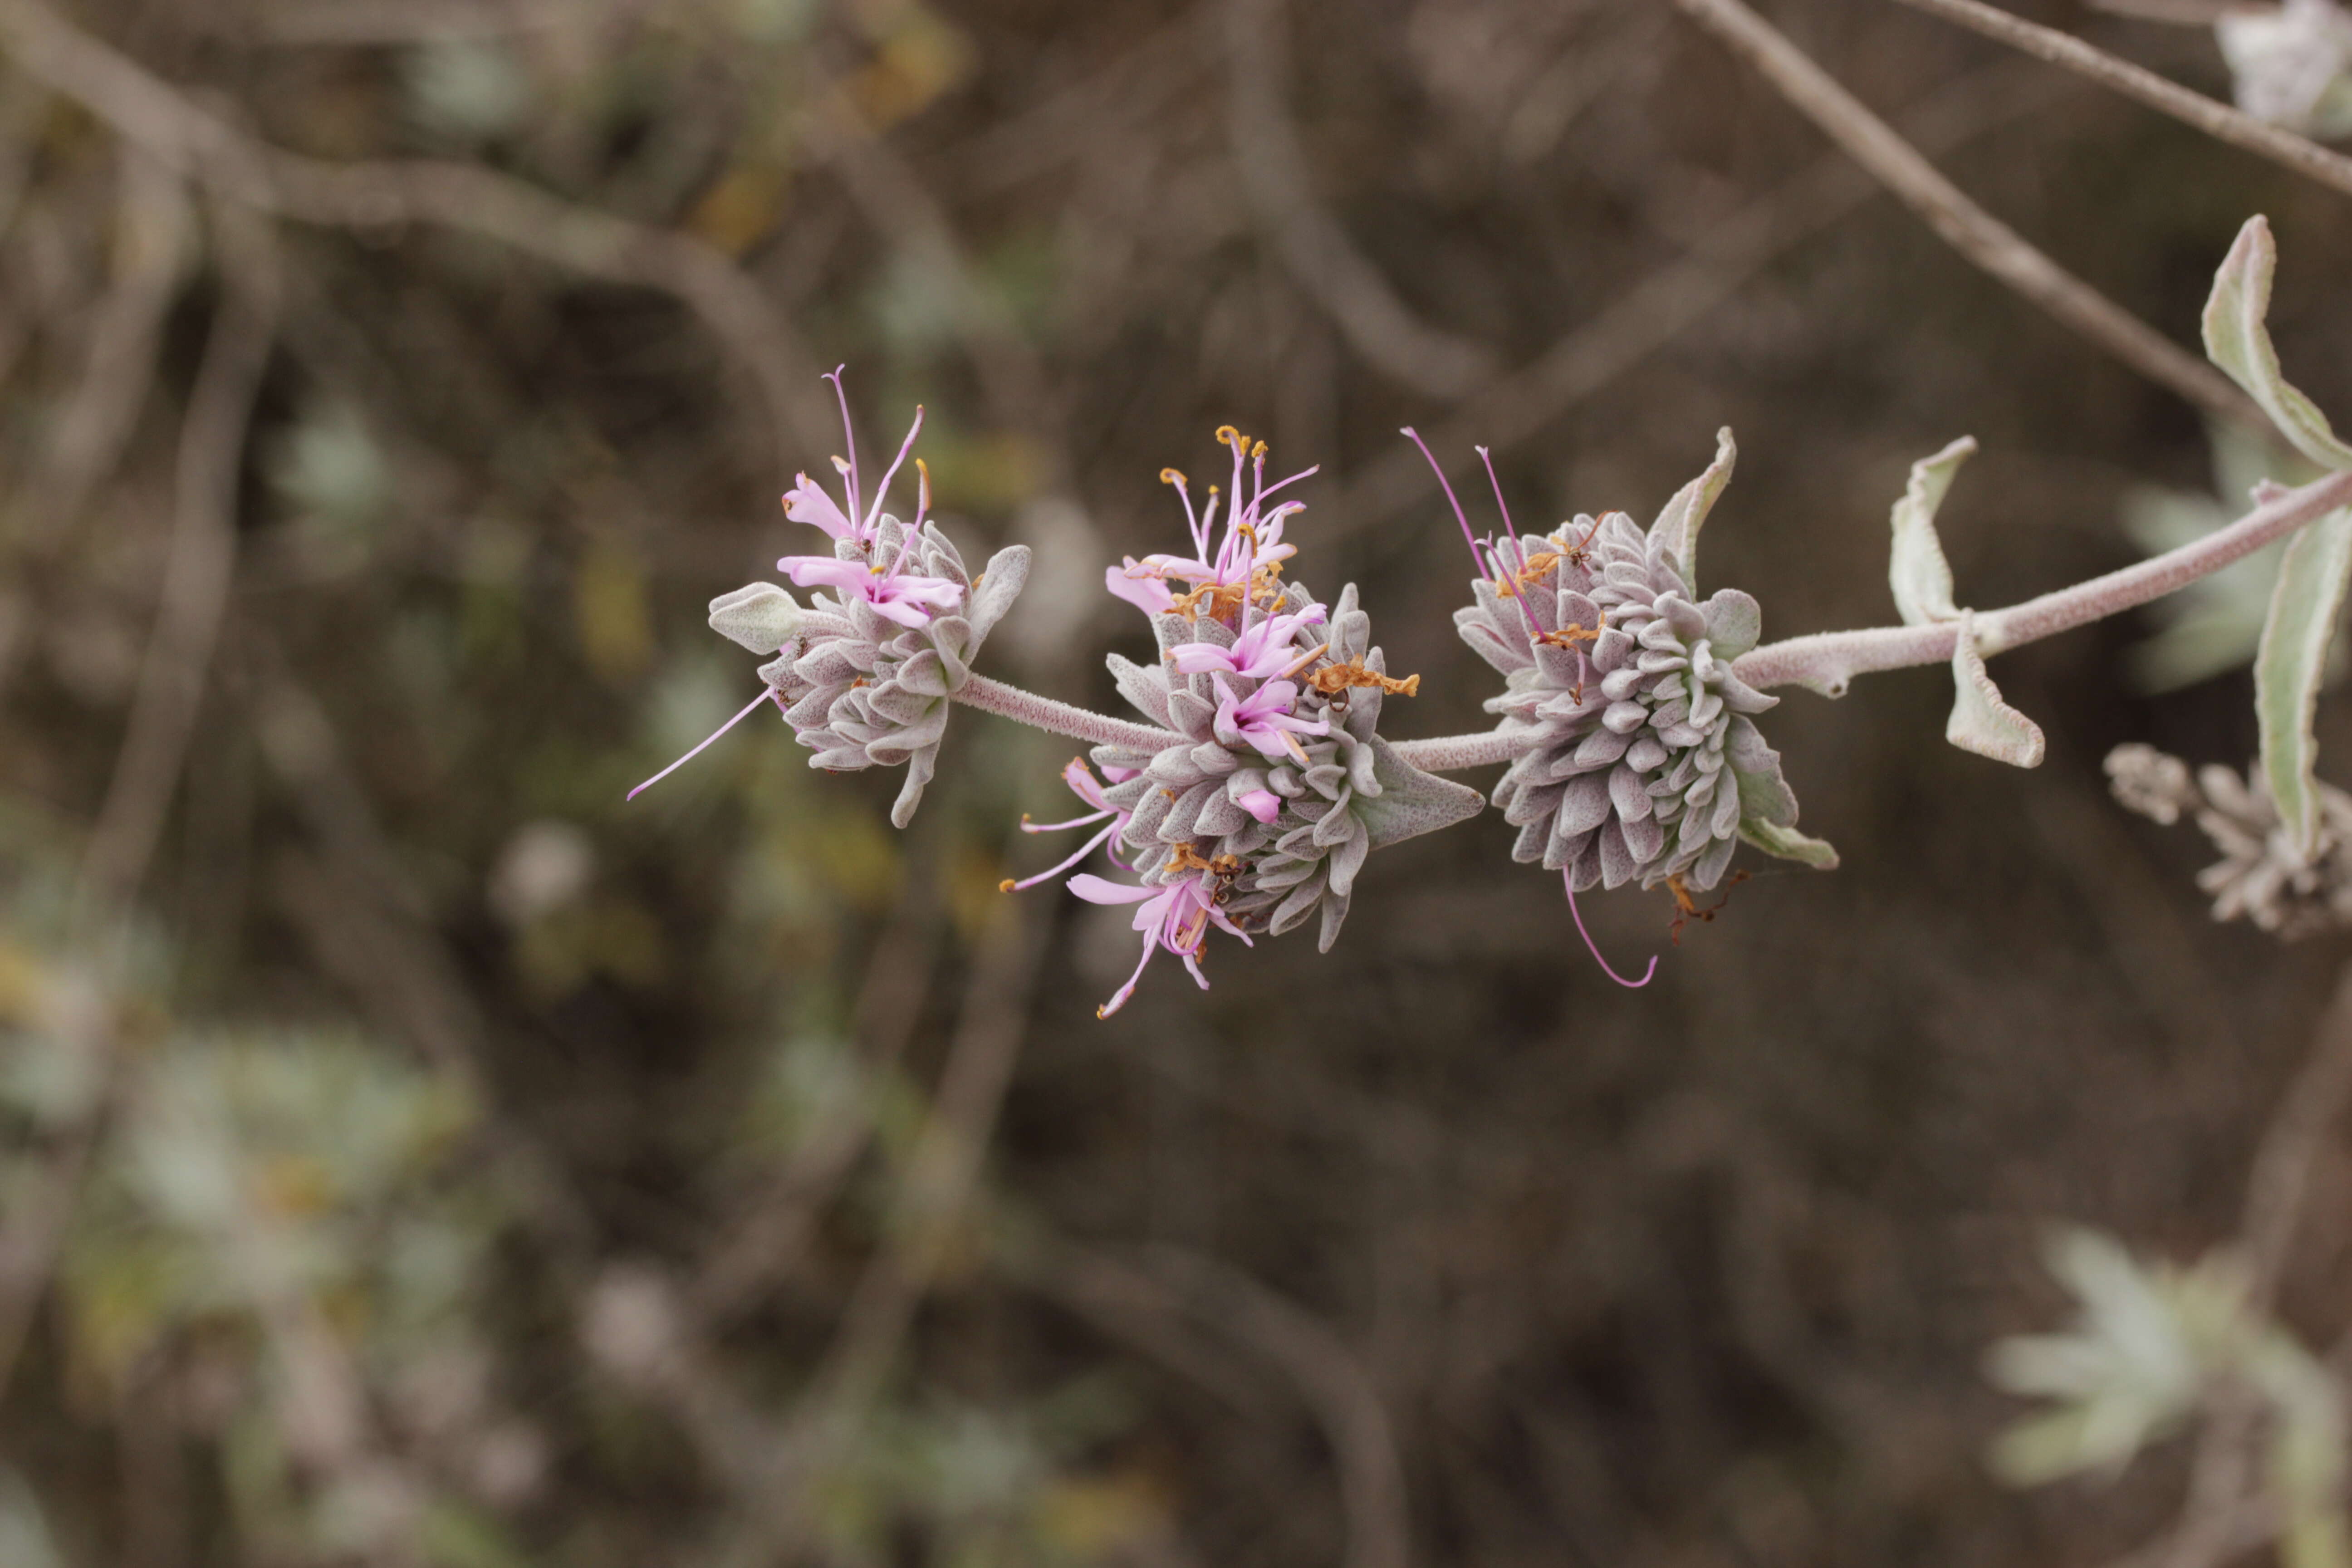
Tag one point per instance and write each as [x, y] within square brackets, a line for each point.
[1000, 581]
[1981, 721]
[2215, 624]
[1677, 526]
[1922, 578]
[758, 615]
[1788, 844]
[25, 1538]
[2238, 339]
[2290, 664]
[1410, 802]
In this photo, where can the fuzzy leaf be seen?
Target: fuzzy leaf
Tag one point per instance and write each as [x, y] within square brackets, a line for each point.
[1677, 526]
[1981, 722]
[1921, 576]
[2238, 339]
[2290, 664]
[758, 615]
[1788, 844]
[1410, 802]
[1000, 584]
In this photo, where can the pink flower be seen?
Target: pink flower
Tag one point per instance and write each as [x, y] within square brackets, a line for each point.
[1251, 541]
[907, 599]
[807, 503]
[1176, 916]
[1264, 720]
[1262, 649]
[1262, 803]
[1083, 784]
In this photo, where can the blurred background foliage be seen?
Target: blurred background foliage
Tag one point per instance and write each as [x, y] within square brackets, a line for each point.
[414, 1156]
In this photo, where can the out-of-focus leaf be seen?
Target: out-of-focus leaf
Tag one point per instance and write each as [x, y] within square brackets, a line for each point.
[473, 88]
[2305, 607]
[1921, 577]
[2238, 339]
[25, 1538]
[617, 634]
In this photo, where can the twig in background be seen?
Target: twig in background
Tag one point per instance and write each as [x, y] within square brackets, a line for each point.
[198, 567]
[371, 197]
[2217, 120]
[1975, 233]
[1644, 319]
[1313, 245]
[154, 245]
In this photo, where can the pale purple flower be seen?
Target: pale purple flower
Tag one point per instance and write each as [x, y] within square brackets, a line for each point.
[1088, 788]
[1176, 916]
[1251, 545]
[807, 503]
[909, 600]
[1264, 720]
[1264, 650]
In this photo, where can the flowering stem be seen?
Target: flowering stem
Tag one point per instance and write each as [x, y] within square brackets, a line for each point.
[1451, 753]
[1059, 717]
[1827, 660]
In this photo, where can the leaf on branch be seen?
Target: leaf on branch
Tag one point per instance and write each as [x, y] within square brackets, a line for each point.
[1677, 526]
[1410, 802]
[2238, 340]
[2291, 665]
[1982, 722]
[1922, 578]
[1788, 844]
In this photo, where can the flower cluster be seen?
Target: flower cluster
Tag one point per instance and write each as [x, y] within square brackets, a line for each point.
[1273, 784]
[2261, 876]
[1643, 762]
[866, 672]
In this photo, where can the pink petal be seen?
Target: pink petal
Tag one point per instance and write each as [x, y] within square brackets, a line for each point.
[1262, 803]
[1146, 594]
[807, 503]
[1101, 890]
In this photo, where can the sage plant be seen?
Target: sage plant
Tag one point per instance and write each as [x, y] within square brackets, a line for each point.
[1255, 778]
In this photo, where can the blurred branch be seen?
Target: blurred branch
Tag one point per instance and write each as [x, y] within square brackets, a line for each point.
[2217, 120]
[153, 245]
[1975, 233]
[1671, 299]
[1312, 244]
[2291, 1147]
[1330, 1379]
[199, 563]
[372, 196]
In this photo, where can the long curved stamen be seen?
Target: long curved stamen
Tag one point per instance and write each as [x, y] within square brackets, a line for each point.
[1083, 850]
[1118, 998]
[882, 493]
[1191, 518]
[1279, 484]
[690, 756]
[922, 489]
[1446, 484]
[849, 436]
[1519, 551]
[1568, 874]
[1029, 827]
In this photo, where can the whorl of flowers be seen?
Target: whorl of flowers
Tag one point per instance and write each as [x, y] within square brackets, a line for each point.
[866, 672]
[2261, 876]
[1646, 765]
[1274, 784]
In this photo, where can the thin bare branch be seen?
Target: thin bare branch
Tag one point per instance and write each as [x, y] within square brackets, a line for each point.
[2217, 120]
[1672, 299]
[1313, 245]
[374, 196]
[1968, 228]
[2291, 1146]
[198, 566]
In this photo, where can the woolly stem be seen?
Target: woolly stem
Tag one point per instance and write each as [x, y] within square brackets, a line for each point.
[1060, 718]
[1451, 753]
[1827, 660]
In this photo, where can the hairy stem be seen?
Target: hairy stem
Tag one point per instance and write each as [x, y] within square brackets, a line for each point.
[1059, 717]
[1827, 660]
[1451, 753]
